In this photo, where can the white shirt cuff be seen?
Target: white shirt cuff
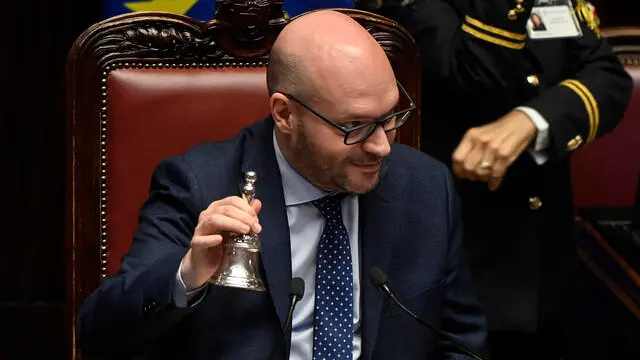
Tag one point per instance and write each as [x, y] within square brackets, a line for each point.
[183, 298]
[541, 143]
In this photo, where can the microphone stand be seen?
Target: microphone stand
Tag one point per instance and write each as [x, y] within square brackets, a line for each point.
[379, 280]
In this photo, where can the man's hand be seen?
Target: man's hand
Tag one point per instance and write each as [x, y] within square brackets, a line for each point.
[232, 214]
[486, 152]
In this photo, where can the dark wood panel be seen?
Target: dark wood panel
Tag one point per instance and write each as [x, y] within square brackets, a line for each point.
[38, 36]
[31, 330]
[618, 12]
[33, 132]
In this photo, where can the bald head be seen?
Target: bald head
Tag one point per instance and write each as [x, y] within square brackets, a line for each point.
[330, 65]
[324, 51]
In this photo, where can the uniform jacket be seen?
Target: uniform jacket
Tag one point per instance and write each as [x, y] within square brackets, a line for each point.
[477, 65]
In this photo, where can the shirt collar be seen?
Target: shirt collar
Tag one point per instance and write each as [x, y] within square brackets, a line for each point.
[297, 190]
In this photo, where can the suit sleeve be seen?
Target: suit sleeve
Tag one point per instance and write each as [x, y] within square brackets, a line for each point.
[135, 306]
[591, 102]
[462, 316]
[466, 45]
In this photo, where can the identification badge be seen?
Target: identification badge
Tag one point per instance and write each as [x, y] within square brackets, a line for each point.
[553, 19]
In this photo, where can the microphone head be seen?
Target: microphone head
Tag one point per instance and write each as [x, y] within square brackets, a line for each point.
[377, 277]
[297, 288]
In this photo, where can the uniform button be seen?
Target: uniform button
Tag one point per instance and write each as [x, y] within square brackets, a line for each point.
[535, 203]
[512, 15]
[574, 143]
[533, 80]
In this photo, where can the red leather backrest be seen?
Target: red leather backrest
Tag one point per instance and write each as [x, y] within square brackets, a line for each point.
[156, 113]
[605, 173]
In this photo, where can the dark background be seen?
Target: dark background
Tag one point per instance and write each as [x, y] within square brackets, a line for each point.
[36, 36]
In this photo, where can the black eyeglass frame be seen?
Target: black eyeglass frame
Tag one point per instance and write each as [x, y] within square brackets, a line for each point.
[406, 113]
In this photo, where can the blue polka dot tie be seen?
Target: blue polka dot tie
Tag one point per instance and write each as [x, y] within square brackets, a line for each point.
[333, 315]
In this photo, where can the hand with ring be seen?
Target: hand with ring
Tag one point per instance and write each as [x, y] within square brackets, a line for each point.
[486, 152]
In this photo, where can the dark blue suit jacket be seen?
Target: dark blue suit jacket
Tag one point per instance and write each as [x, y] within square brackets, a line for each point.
[410, 227]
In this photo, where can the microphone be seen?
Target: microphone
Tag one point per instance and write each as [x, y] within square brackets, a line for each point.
[296, 293]
[379, 280]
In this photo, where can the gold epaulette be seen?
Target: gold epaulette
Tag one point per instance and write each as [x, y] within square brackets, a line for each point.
[586, 13]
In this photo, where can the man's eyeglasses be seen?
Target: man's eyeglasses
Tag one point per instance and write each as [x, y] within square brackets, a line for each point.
[358, 131]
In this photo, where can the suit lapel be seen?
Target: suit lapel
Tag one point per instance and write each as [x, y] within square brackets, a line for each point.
[378, 214]
[275, 248]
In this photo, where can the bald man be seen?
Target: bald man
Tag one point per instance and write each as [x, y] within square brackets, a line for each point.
[335, 197]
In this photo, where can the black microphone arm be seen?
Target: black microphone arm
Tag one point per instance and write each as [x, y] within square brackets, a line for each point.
[379, 280]
[296, 293]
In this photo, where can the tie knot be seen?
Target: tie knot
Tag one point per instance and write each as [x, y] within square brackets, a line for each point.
[329, 206]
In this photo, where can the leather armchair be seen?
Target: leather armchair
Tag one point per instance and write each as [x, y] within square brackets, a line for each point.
[144, 86]
[605, 172]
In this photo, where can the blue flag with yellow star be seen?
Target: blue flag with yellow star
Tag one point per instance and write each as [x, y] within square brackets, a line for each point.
[204, 9]
[296, 7]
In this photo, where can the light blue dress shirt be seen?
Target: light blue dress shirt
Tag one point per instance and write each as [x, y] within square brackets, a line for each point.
[305, 228]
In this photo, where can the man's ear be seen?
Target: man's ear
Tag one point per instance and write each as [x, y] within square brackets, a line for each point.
[282, 112]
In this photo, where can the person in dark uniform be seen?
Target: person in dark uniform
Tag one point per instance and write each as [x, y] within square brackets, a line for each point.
[505, 113]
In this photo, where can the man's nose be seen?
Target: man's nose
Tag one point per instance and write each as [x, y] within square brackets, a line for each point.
[378, 143]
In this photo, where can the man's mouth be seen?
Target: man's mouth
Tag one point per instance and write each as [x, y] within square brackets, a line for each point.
[369, 165]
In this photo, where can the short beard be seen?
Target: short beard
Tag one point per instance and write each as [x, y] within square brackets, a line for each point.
[319, 173]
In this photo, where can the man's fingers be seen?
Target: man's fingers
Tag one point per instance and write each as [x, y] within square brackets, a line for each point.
[238, 214]
[217, 223]
[232, 214]
[234, 201]
[233, 207]
[241, 204]
[256, 205]
[206, 241]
